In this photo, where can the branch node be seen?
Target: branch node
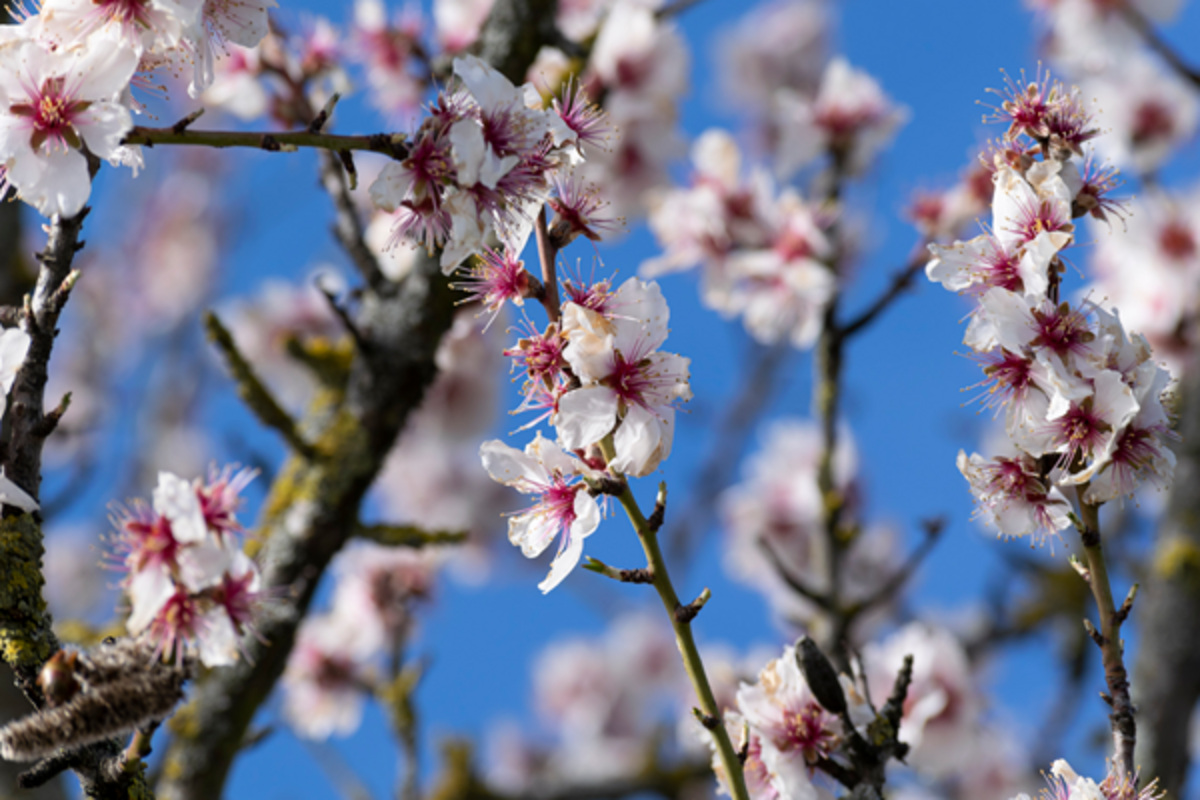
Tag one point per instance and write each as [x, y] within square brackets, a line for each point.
[707, 720]
[1097, 637]
[1122, 613]
[685, 614]
[269, 143]
[655, 520]
[323, 116]
[183, 124]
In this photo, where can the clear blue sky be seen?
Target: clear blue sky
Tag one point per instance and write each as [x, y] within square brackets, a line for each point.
[902, 396]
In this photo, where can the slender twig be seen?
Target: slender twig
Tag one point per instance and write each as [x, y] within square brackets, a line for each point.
[901, 281]
[548, 256]
[252, 390]
[1146, 30]
[681, 624]
[675, 8]
[1124, 726]
[392, 145]
[408, 535]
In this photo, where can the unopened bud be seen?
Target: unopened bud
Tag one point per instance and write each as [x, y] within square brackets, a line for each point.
[57, 678]
[820, 675]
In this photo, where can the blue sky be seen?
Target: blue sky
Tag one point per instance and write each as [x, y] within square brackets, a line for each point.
[902, 398]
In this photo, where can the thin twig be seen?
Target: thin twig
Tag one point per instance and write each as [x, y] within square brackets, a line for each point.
[252, 390]
[392, 145]
[548, 256]
[692, 662]
[901, 281]
[1139, 23]
[1124, 726]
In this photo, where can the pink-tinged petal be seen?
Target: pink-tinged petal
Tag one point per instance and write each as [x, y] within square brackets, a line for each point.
[149, 590]
[103, 72]
[218, 642]
[14, 345]
[54, 182]
[468, 150]
[641, 326]
[551, 457]
[489, 88]
[103, 127]
[533, 532]
[585, 416]
[511, 466]
[643, 440]
[563, 563]
[203, 564]
[391, 186]
[176, 500]
[13, 495]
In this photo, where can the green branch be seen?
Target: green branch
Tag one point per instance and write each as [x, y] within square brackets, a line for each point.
[681, 616]
[389, 144]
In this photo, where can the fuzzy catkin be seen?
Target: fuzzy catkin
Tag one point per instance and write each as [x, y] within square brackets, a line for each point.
[126, 687]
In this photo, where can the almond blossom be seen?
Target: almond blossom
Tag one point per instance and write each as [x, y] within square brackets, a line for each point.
[1083, 398]
[793, 730]
[628, 388]
[189, 585]
[565, 509]
[53, 102]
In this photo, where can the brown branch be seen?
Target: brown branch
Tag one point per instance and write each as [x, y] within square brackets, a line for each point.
[391, 145]
[1146, 30]
[901, 282]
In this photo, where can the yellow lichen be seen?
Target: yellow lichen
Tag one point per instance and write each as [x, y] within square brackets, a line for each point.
[25, 636]
[1176, 556]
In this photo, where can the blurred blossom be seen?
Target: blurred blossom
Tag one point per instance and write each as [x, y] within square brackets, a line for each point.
[323, 683]
[458, 22]
[1161, 297]
[605, 697]
[237, 85]
[943, 709]
[263, 325]
[773, 523]
[779, 45]
[1092, 35]
[945, 214]
[762, 254]
[850, 118]
[386, 50]
[642, 65]
[1147, 110]
[376, 590]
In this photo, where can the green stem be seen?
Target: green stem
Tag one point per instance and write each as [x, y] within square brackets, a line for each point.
[389, 144]
[692, 662]
[1124, 726]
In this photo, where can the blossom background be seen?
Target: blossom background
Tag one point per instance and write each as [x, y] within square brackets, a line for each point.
[903, 398]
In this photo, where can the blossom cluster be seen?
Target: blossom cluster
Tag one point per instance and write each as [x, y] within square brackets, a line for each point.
[786, 732]
[1082, 397]
[191, 588]
[611, 395]
[767, 253]
[764, 253]
[483, 163]
[1067, 784]
[332, 666]
[66, 75]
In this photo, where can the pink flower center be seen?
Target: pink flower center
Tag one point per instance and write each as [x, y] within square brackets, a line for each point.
[805, 731]
[51, 114]
[629, 380]
[1152, 121]
[1177, 241]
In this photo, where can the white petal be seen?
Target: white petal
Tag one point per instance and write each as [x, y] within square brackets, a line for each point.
[13, 495]
[585, 416]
